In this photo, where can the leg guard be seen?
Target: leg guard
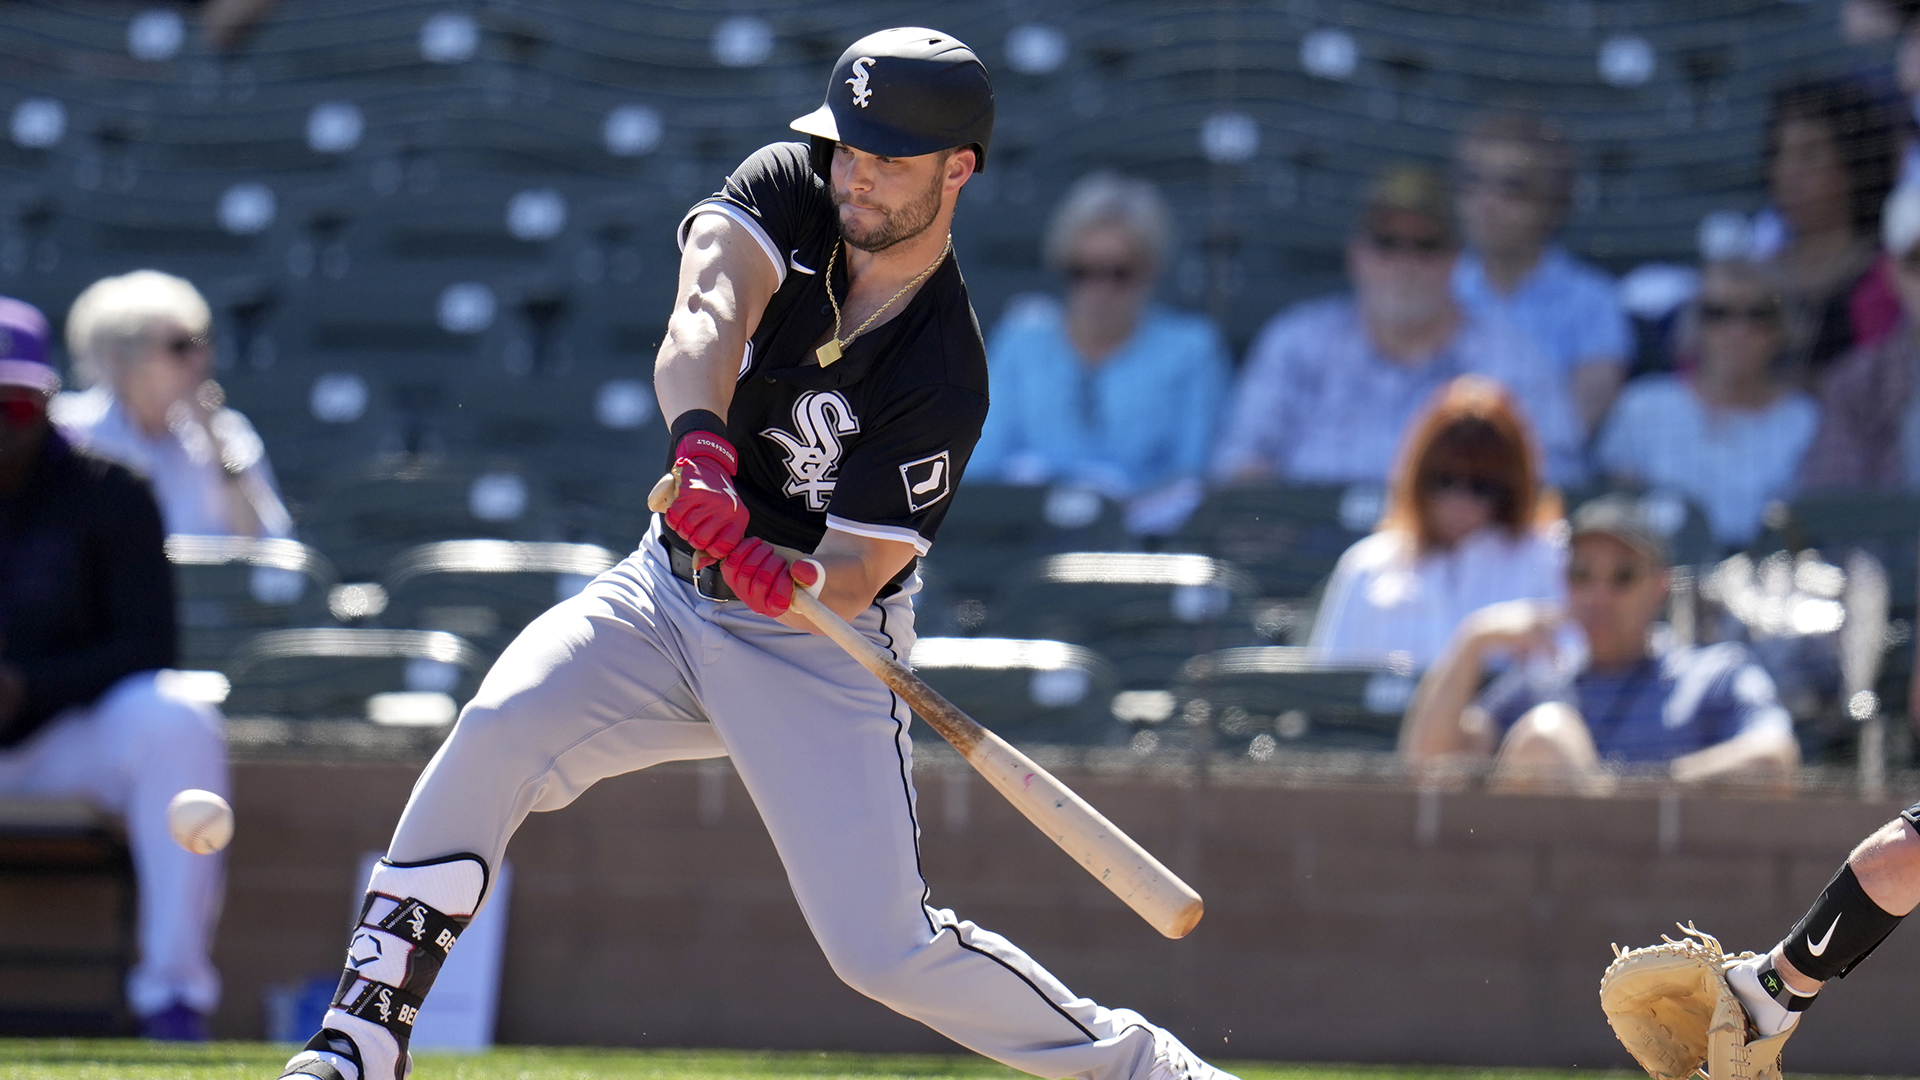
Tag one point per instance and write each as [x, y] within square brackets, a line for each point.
[1841, 928]
[413, 914]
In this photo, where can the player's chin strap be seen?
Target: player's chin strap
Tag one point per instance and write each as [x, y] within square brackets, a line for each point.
[413, 914]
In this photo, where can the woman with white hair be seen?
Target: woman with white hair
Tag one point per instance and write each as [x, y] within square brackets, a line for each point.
[1107, 390]
[141, 345]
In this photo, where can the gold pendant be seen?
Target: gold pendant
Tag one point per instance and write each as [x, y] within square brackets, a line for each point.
[828, 353]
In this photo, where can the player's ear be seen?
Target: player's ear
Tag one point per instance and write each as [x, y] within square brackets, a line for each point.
[960, 166]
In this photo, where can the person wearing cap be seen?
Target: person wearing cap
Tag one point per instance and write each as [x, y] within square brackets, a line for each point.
[88, 708]
[1331, 386]
[141, 343]
[1730, 433]
[825, 382]
[1108, 390]
[1596, 684]
[1868, 438]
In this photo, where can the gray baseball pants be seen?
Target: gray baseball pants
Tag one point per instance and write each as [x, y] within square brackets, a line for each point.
[640, 669]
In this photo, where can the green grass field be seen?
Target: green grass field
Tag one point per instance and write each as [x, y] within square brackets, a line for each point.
[126, 1059]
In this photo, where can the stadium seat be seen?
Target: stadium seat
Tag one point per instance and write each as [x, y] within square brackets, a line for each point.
[1258, 700]
[1028, 692]
[364, 520]
[1288, 537]
[486, 590]
[991, 529]
[391, 676]
[1147, 613]
[230, 587]
[67, 940]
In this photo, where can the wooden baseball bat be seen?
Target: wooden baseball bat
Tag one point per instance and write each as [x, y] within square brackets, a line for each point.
[1154, 892]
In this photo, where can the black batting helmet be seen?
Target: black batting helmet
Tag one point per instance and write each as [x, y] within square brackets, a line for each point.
[902, 93]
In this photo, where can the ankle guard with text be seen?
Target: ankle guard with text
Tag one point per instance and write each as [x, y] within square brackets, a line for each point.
[1776, 988]
[413, 914]
[1838, 932]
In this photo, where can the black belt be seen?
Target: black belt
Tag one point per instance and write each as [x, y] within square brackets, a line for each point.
[706, 581]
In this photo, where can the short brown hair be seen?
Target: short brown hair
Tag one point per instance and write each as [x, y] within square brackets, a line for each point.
[1542, 136]
[1473, 429]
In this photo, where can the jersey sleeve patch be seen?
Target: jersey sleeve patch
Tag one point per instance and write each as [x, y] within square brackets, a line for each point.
[927, 481]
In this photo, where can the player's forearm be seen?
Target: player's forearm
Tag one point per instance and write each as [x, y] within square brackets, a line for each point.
[1756, 755]
[1432, 727]
[850, 588]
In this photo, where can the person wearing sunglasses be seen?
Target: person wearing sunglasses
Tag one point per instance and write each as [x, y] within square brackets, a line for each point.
[1598, 686]
[141, 342]
[1513, 185]
[1331, 386]
[1868, 438]
[1107, 390]
[1465, 527]
[1729, 434]
[88, 709]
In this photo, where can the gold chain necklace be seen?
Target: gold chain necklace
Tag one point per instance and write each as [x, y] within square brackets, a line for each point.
[836, 345]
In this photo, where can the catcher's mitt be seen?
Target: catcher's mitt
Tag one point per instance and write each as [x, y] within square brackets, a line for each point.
[1672, 1009]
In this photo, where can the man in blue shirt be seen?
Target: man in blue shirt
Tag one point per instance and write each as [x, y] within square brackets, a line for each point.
[1626, 699]
[1331, 385]
[1513, 179]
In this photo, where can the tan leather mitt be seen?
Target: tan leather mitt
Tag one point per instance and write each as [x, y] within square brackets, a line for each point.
[1674, 1012]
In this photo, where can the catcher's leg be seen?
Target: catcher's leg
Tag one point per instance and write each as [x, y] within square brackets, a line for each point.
[1876, 887]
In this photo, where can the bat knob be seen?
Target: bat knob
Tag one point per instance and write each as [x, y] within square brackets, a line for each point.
[665, 490]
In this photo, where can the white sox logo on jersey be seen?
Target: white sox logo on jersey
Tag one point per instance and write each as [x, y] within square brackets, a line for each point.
[926, 481]
[820, 417]
[861, 94]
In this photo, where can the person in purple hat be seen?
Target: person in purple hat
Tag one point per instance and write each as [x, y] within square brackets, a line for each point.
[88, 708]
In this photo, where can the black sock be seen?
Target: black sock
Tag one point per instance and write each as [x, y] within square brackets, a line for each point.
[1841, 928]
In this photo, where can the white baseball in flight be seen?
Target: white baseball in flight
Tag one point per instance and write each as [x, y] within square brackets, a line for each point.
[200, 821]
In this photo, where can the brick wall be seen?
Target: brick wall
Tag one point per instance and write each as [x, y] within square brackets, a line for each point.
[1360, 922]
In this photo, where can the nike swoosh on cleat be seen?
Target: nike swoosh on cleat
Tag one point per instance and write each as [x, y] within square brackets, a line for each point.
[1819, 948]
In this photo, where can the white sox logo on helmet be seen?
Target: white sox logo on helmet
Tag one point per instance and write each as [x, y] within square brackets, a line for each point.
[820, 417]
[861, 94]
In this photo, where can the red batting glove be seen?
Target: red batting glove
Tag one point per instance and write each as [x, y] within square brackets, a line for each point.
[763, 578]
[707, 511]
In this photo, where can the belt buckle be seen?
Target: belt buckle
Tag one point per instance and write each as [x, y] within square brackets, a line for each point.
[709, 584]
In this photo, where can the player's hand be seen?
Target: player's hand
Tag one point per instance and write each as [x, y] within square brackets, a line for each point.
[762, 577]
[1515, 627]
[706, 510]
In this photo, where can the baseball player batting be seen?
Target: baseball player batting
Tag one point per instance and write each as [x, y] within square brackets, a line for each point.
[1686, 1003]
[826, 382]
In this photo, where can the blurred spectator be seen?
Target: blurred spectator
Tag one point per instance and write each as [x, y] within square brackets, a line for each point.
[86, 709]
[1514, 178]
[1730, 434]
[141, 344]
[1462, 530]
[1869, 433]
[1111, 390]
[1624, 697]
[1830, 160]
[1331, 386]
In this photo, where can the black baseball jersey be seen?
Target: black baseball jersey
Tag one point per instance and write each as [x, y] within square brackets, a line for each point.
[873, 444]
